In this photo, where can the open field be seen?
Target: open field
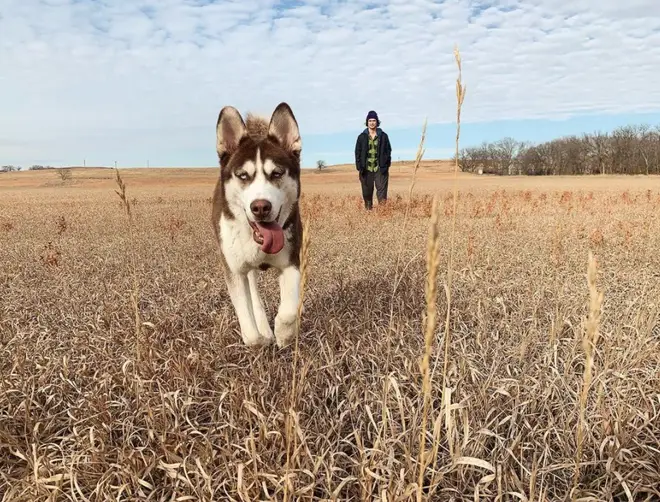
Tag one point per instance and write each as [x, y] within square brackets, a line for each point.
[92, 408]
[338, 180]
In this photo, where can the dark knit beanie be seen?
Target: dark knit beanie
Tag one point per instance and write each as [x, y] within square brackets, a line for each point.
[372, 115]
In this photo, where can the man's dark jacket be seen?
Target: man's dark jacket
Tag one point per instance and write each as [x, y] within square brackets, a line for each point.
[362, 151]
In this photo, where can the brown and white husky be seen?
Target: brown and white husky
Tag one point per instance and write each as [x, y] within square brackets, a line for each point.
[256, 216]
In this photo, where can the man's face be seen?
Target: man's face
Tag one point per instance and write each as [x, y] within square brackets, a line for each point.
[371, 123]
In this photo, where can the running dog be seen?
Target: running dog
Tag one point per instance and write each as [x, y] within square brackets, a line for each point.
[256, 217]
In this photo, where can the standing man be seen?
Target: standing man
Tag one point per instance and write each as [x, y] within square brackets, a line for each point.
[373, 157]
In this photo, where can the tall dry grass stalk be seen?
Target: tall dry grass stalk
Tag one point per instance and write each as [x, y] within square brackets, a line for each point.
[432, 263]
[135, 294]
[291, 421]
[431, 295]
[418, 159]
[460, 97]
[589, 341]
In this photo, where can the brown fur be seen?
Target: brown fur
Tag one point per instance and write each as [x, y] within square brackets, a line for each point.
[257, 127]
[296, 235]
[270, 148]
[257, 130]
[257, 137]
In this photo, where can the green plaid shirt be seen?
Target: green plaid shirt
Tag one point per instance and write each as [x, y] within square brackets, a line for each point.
[372, 155]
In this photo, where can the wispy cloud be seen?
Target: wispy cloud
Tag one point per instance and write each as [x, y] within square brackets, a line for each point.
[131, 80]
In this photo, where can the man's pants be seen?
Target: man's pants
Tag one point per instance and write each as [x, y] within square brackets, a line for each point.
[368, 179]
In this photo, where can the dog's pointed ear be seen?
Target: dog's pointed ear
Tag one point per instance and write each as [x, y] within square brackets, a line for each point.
[284, 127]
[229, 130]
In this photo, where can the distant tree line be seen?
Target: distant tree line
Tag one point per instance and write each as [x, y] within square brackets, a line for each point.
[12, 168]
[631, 149]
[9, 168]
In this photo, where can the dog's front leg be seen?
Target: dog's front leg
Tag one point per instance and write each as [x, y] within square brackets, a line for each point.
[285, 320]
[260, 317]
[239, 292]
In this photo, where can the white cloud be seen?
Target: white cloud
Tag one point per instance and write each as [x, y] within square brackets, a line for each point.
[89, 77]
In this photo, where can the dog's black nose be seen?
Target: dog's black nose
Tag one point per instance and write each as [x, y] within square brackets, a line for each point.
[261, 208]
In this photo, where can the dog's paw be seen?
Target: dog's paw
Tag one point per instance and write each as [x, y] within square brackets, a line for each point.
[285, 330]
[265, 330]
[253, 338]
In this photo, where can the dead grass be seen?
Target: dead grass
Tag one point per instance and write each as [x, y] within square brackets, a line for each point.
[431, 176]
[81, 418]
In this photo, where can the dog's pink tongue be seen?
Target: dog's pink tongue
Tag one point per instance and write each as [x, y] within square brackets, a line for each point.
[273, 237]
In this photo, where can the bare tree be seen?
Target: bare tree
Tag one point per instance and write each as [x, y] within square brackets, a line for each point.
[469, 159]
[632, 149]
[64, 173]
[598, 152]
[505, 151]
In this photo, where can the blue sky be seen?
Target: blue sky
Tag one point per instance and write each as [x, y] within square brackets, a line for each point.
[144, 80]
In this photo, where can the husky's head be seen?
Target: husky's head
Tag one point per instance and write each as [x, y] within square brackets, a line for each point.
[260, 170]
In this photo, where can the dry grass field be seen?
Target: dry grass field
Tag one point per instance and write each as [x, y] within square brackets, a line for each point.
[531, 394]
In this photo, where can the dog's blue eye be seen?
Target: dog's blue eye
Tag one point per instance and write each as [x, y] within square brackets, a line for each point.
[243, 176]
[277, 174]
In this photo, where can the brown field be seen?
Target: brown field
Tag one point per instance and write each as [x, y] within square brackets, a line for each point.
[95, 405]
